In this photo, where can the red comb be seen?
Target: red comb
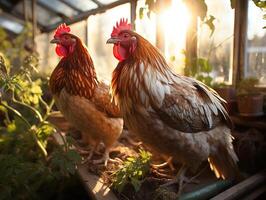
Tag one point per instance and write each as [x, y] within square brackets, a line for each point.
[62, 28]
[121, 26]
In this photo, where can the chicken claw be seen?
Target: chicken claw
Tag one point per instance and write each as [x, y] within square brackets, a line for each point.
[168, 162]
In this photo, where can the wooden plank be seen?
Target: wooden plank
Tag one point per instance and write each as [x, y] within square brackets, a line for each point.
[93, 184]
[255, 194]
[241, 188]
[258, 123]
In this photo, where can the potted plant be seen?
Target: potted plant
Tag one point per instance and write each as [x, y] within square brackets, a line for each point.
[249, 101]
[228, 93]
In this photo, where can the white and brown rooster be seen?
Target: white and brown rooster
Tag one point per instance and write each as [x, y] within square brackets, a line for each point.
[82, 99]
[175, 115]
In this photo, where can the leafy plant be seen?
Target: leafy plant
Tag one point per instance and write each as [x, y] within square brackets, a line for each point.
[246, 86]
[199, 68]
[133, 171]
[31, 168]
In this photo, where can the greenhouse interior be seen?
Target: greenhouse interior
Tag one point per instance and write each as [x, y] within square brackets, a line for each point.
[132, 99]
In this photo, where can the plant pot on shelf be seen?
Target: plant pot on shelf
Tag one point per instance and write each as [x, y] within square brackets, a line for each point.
[250, 105]
[229, 95]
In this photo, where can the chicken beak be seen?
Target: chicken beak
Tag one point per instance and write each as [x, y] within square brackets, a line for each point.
[55, 41]
[113, 40]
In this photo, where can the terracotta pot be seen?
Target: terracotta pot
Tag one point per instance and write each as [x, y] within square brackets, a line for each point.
[229, 95]
[250, 105]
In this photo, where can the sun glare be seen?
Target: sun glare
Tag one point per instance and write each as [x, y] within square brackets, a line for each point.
[175, 22]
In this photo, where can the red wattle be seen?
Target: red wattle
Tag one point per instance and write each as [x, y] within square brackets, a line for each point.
[116, 54]
[61, 51]
[120, 53]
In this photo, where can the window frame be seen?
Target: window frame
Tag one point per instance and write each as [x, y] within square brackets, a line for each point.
[240, 43]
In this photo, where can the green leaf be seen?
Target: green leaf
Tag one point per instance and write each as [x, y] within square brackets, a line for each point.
[233, 4]
[204, 65]
[73, 156]
[141, 13]
[210, 24]
[208, 80]
[134, 169]
[172, 58]
[136, 184]
[260, 3]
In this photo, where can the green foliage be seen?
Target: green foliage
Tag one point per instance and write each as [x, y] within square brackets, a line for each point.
[65, 161]
[199, 68]
[199, 8]
[133, 171]
[246, 86]
[209, 22]
[26, 166]
[233, 4]
[260, 3]
[154, 6]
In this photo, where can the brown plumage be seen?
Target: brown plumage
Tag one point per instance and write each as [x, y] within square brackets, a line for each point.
[83, 100]
[173, 114]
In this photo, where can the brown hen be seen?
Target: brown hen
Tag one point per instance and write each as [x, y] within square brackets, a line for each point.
[83, 100]
[175, 115]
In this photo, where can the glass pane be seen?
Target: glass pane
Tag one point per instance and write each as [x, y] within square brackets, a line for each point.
[59, 7]
[99, 30]
[46, 17]
[107, 1]
[218, 48]
[10, 25]
[82, 5]
[256, 44]
[146, 26]
[174, 22]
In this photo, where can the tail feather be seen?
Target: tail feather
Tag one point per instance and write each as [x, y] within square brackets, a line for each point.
[224, 163]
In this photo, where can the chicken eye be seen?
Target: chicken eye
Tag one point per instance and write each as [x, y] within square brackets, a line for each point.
[126, 35]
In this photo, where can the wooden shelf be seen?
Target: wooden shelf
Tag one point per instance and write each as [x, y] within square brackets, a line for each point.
[250, 122]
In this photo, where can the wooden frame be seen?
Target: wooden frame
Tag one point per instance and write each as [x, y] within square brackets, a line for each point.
[240, 36]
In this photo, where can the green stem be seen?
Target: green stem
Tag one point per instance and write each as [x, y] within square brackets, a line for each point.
[7, 117]
[64, 141]
[18, 114]
[29, 107]
[44, 103]
[43, 150]
[48, 111]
